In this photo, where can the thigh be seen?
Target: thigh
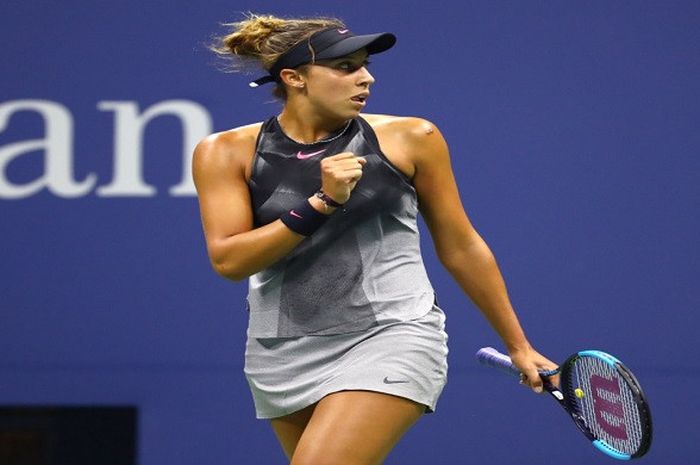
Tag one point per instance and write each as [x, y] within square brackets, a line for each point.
[289, 429]
[355, 428]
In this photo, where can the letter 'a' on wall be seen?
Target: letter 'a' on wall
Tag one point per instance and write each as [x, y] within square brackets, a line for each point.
[130, 124]
[57, 145]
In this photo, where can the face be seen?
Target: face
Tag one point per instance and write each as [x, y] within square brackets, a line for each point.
[340, 86]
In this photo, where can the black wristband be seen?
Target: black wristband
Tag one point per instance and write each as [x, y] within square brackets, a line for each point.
[304, 219]
[325, 198]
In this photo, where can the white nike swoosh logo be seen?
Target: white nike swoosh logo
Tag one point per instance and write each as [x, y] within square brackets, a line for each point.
[394, 381]
[304, 156]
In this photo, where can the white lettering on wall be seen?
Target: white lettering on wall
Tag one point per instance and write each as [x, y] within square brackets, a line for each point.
[57, 145]
[128, 158]
[128, 145]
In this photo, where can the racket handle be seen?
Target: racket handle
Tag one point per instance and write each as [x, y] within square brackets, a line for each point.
[491, 357]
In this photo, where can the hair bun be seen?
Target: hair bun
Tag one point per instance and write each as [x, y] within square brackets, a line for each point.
[261, 39]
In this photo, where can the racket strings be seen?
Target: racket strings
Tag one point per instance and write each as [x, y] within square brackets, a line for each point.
[608, 404]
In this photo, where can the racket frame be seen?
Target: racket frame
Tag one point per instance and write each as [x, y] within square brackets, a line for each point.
[566, 398]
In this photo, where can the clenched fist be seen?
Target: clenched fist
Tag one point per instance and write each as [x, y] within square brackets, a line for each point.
[340, 174]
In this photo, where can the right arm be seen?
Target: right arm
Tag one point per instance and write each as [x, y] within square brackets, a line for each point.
[235, 249]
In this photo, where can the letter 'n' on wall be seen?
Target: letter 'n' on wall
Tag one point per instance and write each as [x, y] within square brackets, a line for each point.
[128, 144]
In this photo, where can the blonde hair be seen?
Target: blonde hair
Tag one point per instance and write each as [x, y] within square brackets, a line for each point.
[259, 40]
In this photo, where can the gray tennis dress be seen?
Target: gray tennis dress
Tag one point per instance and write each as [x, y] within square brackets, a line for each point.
[351, 307]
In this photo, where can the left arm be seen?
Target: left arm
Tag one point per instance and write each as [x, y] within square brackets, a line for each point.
[461, 249]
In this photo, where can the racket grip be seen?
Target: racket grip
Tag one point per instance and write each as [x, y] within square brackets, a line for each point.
[491, 357]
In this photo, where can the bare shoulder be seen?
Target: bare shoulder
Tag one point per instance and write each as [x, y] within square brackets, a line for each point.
[407, 140]
[232, 142]
[406, 126]
[229, 149]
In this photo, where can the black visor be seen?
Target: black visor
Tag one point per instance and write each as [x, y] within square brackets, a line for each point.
[326, 45]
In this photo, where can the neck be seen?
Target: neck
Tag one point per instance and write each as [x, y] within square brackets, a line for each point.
[307, 127]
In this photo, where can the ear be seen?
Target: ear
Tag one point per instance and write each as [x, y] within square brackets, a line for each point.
[292, 78]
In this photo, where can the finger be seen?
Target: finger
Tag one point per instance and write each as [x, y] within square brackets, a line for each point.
[349, 159]
[547, 365]
[533, 380]
[340, 156]
[346, 166]
[345, 169]
[555, 380]
[353, 176]
[342, 173]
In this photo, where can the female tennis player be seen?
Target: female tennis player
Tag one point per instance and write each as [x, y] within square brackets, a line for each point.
[317, 207]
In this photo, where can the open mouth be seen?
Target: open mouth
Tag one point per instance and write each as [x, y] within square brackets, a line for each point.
[359, 98]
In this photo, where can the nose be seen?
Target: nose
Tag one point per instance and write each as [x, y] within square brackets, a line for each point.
[365, 77]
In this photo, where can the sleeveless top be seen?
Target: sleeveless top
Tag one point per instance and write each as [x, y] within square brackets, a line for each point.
[362, 268]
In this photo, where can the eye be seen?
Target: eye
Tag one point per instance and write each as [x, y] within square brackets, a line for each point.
[347, 66]
[351, 66]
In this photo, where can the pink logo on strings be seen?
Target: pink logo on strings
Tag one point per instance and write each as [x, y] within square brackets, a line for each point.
[304, 156]
[607, 402]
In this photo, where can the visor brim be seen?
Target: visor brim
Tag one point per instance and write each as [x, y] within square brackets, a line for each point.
[373, 43]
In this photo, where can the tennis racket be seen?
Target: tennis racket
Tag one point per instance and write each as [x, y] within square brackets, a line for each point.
[600, 394]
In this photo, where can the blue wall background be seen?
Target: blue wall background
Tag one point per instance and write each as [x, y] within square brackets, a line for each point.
[573, 128]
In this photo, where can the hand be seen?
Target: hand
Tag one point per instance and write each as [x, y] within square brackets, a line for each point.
[530, 363]
[340, 174]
